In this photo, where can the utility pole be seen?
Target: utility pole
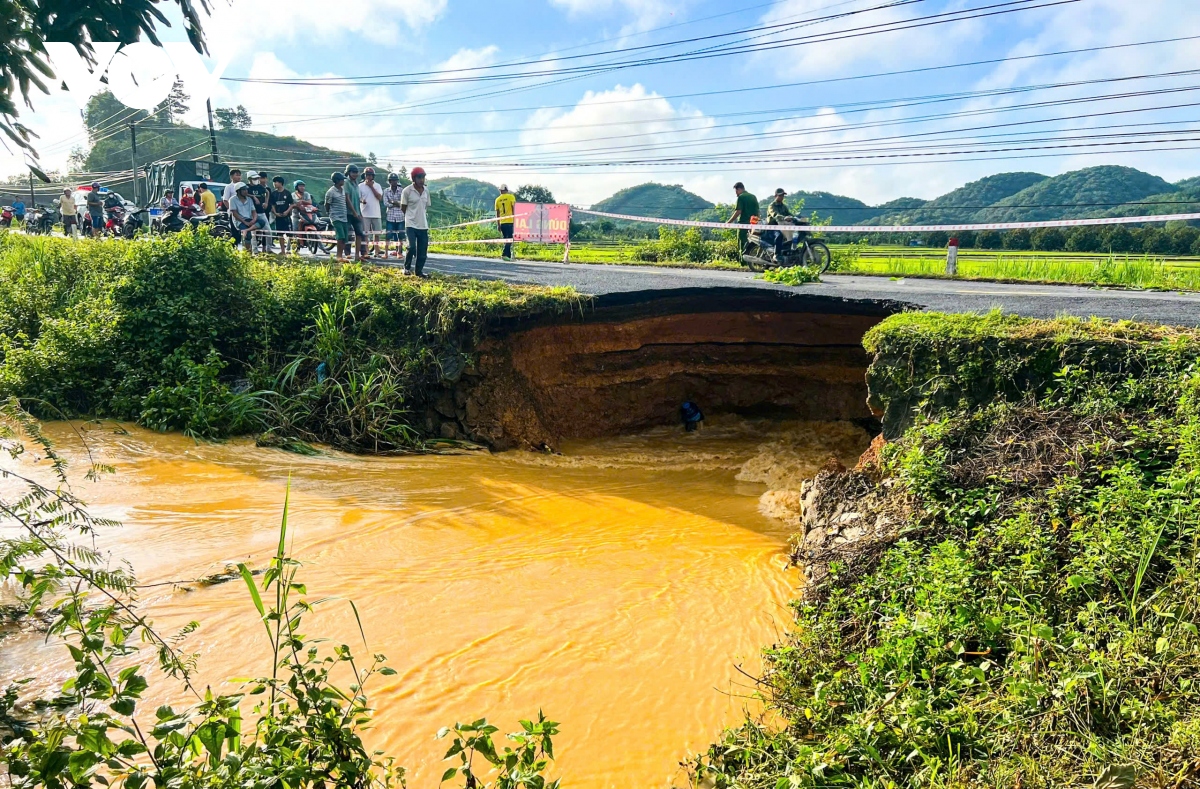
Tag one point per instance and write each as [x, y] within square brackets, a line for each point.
[32, 196]
[212, 134]
[133, 158]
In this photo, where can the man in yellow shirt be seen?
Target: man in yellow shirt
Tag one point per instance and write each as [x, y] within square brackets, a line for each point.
[208, 200]
[504, 212]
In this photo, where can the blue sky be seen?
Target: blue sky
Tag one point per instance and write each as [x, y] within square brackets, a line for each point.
[641, 114]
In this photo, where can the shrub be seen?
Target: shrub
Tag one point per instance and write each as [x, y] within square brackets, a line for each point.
[175, 332]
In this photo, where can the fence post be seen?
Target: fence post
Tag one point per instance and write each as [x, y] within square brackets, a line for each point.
[952, 258]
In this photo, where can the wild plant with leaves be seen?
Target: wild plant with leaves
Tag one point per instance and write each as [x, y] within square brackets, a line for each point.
[299, 725]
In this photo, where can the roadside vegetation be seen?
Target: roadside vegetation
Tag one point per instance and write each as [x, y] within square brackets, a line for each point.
[301, 723]
[1024, 611]
[187, 333]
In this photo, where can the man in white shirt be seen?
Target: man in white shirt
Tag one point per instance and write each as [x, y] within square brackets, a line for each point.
[371, 195]
[415, 202]
[235, 178]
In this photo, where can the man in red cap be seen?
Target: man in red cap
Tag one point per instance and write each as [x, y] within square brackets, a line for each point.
[414, 200]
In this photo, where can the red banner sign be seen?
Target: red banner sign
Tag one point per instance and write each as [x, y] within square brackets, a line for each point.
[545, 223]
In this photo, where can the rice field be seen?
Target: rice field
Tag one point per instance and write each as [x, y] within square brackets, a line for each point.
[1127, 271]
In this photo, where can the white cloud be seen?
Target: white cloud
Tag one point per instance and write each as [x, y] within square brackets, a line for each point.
[462, 59]
[639, 123]
[243, 25]
[644, 14]
[842, 56]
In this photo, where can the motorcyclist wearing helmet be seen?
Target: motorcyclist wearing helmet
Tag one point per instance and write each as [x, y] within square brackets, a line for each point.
[778, 213]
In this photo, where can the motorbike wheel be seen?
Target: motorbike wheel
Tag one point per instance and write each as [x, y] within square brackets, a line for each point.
[818, 256]
[754, 257]
[222, 232]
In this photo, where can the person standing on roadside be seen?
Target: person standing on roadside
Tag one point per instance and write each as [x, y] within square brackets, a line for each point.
[258, 193]
[208, 200]
[18, 208]
[337, 201]
[95, 207]
[354, 212]
[281, 210]
[235, 178]
[415, 202]
[395, 215]
[244, 215]
[744, 209]
[372, 198]
[70, 215]
[305, 210]
[504, 215]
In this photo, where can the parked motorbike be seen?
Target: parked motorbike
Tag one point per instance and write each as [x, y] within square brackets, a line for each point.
[797, 248]
[6, 216]
[219, 224]
[314, 223]
[39, 221]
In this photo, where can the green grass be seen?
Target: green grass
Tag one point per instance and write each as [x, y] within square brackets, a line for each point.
[188, 333]
[1028, 617]
[1124, 271]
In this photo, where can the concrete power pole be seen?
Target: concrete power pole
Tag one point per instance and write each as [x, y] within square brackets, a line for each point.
[133, 158]
[212, 134]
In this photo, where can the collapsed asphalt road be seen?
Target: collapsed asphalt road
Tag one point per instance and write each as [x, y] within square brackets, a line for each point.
[1036, 301]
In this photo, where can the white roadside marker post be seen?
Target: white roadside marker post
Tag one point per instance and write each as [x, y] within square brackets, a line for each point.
[952, 258]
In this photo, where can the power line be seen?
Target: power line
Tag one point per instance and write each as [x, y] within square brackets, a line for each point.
[1006, 7]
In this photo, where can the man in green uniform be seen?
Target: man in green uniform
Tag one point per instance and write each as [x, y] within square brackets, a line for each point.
[745, 207]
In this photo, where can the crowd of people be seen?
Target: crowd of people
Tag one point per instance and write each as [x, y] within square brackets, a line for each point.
[367, 218]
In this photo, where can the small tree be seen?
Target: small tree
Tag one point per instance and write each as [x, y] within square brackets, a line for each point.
[232, 118]
[1083, 239]
[988, 239]
[1048, 239]
[175, 105]
[1016, 239]
[532, 193]
[1117, 238]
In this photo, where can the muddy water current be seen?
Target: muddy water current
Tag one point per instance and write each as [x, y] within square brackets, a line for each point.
[618, 586]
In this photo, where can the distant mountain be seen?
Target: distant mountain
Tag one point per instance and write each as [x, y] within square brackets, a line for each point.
[655, 200]
[1188, 183]
[843, 210]
[467, 192]
[963, 203]
[1079, 193]
[1184, 200]
[902, 204]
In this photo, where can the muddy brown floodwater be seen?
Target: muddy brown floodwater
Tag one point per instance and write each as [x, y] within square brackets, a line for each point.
[617, 586]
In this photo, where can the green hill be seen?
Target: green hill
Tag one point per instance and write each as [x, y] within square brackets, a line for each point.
[1075, 194]
[843, 210]
[962, 204]
[467, 192]
[1188, 183]
[293, 158]
[655, 200]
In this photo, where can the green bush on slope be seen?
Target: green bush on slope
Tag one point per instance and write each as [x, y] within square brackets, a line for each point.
[187, 333]
[1032, 621]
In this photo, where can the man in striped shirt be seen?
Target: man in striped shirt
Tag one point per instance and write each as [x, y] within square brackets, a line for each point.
[395, 215]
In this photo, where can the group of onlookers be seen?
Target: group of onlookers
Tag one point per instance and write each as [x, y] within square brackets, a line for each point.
[362, 212]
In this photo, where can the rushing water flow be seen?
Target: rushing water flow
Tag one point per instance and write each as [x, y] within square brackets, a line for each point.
[616, 586]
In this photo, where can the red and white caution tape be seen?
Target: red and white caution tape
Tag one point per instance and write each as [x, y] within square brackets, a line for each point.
[1115, 220]
[478, 222]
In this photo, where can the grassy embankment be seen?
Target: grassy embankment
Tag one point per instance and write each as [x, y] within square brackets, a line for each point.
[187, 333]
[1029, 616]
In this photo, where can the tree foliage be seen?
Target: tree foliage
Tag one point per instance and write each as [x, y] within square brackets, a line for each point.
[532, 193]
[28, 23]
[229, 118]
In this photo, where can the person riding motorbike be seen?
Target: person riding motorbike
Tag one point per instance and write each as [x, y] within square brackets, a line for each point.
[305, 211]
[776, 212]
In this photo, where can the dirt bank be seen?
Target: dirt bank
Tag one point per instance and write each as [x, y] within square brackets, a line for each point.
[629, 360]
